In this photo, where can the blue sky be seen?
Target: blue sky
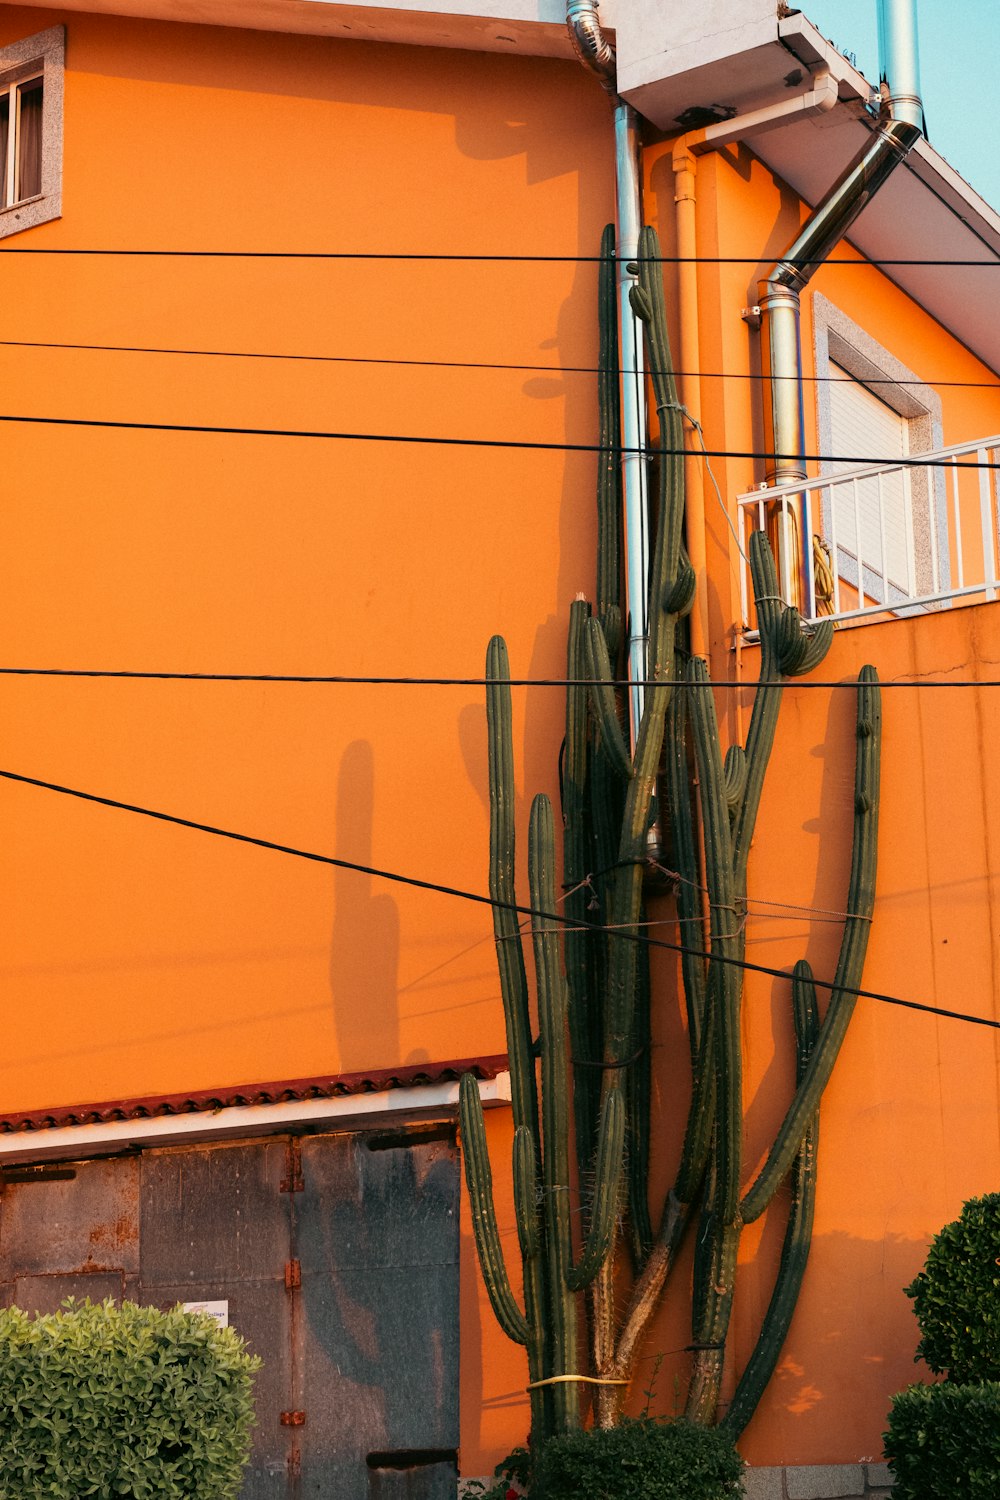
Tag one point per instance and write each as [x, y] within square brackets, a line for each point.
[959, 51]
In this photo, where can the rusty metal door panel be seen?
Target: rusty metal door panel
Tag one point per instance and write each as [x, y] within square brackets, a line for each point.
[418, 1482]
[377, 1236]
[260, 1313]
[215, 1227]
[212, 1213]
[46, 1294]
[392, 1197]
[338, 1259]
[87, 1223]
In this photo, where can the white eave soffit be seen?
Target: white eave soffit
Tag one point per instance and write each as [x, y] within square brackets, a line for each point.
[530, 27]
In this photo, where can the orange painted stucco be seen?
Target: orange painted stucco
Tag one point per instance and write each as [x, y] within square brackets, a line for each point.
[138, 958]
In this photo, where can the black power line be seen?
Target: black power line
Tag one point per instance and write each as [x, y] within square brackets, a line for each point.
[449, 890]
[426, 440]
[403, 255]
[467, 364]
[348, 680]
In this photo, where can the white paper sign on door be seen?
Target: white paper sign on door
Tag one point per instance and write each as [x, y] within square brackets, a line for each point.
[217, 1310]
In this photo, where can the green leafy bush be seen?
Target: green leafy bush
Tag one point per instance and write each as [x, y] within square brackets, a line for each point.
[641, 1459]
[122, 1403]
[943, 1442]
[956, 1297]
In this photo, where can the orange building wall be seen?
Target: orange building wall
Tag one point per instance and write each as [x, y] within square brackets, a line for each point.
[144, 959]
[140, 958]
[910, 1120]
[154, 958]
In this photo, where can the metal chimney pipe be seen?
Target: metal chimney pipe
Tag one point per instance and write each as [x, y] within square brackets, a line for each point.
[899, 60]
[778, 294]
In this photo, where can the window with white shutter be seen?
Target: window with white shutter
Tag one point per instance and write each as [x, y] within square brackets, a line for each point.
[872, 517]
[885, 536]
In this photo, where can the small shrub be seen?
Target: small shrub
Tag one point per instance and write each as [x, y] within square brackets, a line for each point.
[642, 1459]
[511, 1476]
[122, 1403]
[956, 1297]
[943, 1442]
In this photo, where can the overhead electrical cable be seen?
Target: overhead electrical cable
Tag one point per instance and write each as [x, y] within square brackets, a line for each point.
[357, 680]
[489, 258]
[473, 364]
[517, 444]
[456, 891]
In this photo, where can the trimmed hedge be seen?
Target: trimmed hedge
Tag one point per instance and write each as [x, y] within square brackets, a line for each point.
[956, 1297]
[122, 1403]
[641, 1459]
[943, 1442]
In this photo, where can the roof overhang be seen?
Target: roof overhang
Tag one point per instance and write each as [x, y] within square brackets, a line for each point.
[531, 27]
[728, 55]
[345, 1101]
[925, 211]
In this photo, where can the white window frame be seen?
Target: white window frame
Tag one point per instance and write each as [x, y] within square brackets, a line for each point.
[838, 338]
[42, 55]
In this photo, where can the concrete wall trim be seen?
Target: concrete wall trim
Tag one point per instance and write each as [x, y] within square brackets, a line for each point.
[74, 1142]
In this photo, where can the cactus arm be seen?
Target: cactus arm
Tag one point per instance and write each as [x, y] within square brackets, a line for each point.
[510, 954]
[691, 934]
[715, 1270]
[735, 768]
[479, 1181]
[525, 1177]
[609, 503]
[785, 650]
[853, 947]
[701, 1116]
[766, 703]
[555, 1111]
[604, 1209]
[667, 576]
[671, 576]
[577, 942]
[638, 1118]
[798, 1232]
[725, 981]
[602, 695]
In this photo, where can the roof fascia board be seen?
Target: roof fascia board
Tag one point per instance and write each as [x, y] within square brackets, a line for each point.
[529, 27]
[110, 1137]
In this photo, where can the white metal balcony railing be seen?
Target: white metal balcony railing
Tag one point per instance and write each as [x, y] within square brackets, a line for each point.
[885, 539]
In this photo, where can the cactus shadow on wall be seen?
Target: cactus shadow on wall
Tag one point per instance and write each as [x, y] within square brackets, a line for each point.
[364, 944]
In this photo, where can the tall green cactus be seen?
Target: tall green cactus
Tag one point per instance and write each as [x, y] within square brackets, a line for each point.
[582, 1116]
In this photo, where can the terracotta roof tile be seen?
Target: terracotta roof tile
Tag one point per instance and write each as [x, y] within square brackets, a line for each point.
[326, 1086]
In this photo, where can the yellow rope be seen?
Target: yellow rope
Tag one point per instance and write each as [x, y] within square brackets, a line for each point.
[559, 1379]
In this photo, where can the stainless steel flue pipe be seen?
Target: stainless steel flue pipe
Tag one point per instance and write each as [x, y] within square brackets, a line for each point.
[598, 56]
[778, 294]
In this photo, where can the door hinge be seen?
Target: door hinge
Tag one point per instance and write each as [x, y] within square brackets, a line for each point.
[293, 1419]
[292, 1182]
[293, 1463]
[293, 1274]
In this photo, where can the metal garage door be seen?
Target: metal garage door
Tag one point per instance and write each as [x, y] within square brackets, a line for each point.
[336, 1257]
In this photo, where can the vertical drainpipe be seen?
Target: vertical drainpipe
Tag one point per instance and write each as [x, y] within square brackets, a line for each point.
[779, 294]
[598, 56]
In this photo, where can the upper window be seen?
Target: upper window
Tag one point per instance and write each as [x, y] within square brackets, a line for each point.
[31, 90]
[21, 140]
[873, 518]
[885, 537]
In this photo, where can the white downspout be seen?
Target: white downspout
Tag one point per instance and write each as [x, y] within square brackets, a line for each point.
[598, 56]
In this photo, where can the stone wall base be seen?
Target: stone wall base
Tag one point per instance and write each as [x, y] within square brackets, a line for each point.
[862, 1481]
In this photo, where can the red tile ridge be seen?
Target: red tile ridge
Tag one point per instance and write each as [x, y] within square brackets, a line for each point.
[323, 1086]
